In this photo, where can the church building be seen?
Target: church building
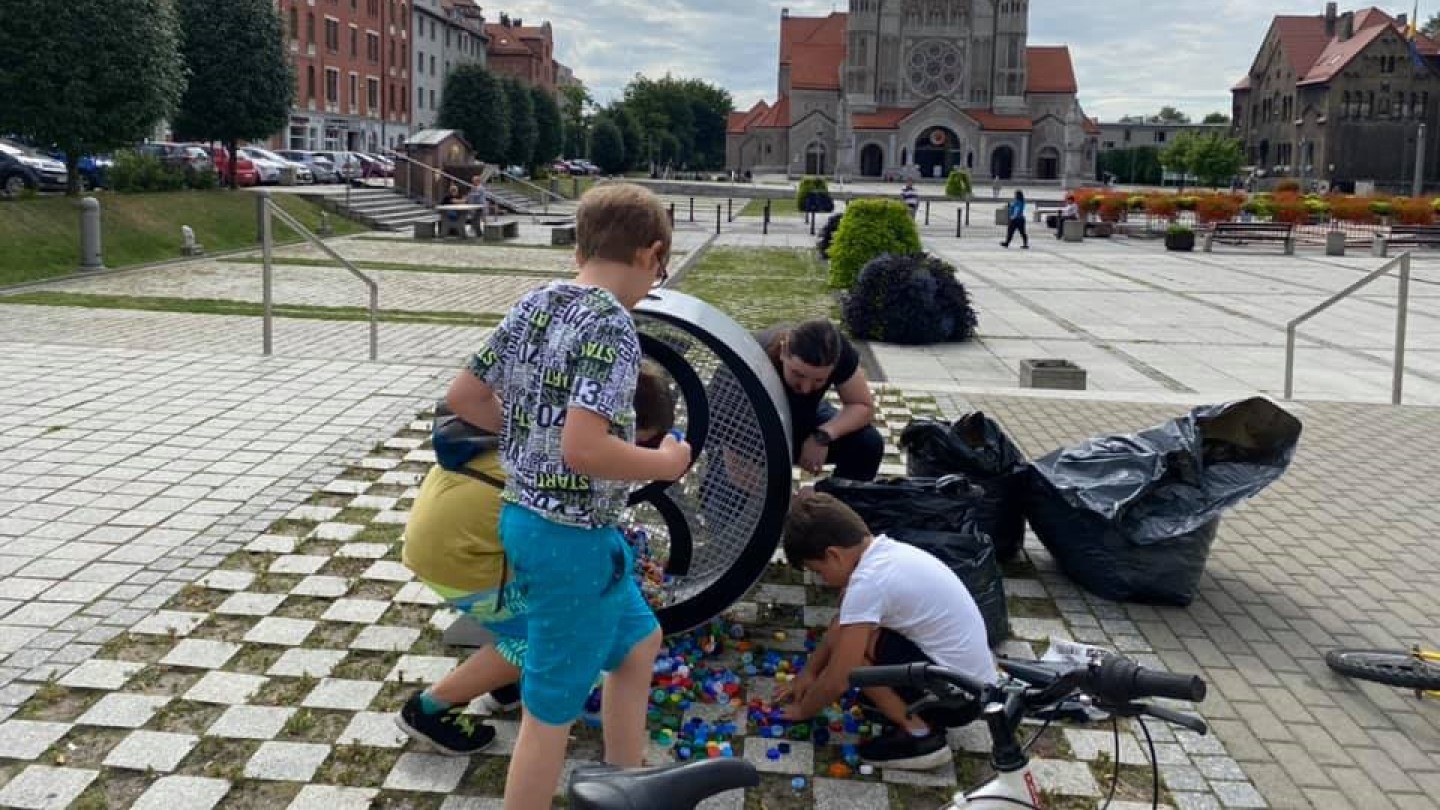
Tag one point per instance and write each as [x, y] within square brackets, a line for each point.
[913, 88]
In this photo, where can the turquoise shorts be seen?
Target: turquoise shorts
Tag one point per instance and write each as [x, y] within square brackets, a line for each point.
[583, 610]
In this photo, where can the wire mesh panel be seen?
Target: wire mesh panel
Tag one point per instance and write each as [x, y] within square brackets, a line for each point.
[712, 532]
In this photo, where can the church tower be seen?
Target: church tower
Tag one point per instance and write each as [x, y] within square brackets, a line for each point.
[862, 48]
[1012, 29]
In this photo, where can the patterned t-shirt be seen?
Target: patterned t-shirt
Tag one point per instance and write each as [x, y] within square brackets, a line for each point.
[563, 346]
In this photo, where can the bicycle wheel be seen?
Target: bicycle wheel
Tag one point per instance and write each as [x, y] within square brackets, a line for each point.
[1390, 667]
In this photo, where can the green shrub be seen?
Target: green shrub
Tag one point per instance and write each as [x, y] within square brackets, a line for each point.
[1382, 208]
[913, 299]
[807, 185]
[1179, 230]
[870, 228]
[202, 181]
[1135, 202]
[957, 186]
[133, 172]
[1186, 202]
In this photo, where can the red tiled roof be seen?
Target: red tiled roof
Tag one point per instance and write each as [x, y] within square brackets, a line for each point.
[740, 121]
[1371, 17]
[1302, 38]
[509, 39]
[991, 122]
[883, 118]
[778, 116]
[1049, 70]
[811, 31]
[816, 67]
[1315, 57]
[1092, 125]
[1338, 54]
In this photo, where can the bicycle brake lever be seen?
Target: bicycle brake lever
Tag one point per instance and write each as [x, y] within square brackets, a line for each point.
[1191, 722]
[1073, 711]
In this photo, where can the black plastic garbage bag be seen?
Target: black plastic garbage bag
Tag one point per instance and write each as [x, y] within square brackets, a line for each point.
[977, 447]
[887, 504]
[971, 556]
[1132, 518]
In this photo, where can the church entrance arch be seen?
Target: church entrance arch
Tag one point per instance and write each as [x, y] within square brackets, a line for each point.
[937, 151]
[815, 158]
[1047, 165]
[872, 161]
[1002, 162]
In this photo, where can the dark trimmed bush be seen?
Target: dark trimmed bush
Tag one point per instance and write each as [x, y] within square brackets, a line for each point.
[911, 299]
[870, 228]
[827, 235]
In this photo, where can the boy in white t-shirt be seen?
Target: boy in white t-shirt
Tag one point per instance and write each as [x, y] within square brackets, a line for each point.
[899, 605]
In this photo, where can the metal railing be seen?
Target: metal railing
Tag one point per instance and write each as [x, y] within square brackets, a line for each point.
[1401, 316]
[268, 211]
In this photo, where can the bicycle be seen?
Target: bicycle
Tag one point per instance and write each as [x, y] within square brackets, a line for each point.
[1111, 683]
[1417, 669]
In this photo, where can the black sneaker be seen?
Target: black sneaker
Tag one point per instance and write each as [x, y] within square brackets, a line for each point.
[452, 732]
[905, 751]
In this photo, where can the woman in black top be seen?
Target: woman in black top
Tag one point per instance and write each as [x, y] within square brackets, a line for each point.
[811, 359]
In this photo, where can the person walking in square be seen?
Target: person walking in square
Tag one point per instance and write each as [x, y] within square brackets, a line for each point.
[1017, 222]
[911, 198]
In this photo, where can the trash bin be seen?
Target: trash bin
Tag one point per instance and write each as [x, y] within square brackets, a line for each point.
[975, 446]
[1132, 517]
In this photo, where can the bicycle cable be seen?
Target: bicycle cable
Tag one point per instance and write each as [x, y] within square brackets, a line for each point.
[1114, 766]
[1154, 765]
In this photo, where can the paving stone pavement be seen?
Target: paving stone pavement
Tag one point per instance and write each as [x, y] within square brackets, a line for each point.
[253, 688]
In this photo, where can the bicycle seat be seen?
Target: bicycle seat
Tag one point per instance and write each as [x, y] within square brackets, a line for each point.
[666, 787]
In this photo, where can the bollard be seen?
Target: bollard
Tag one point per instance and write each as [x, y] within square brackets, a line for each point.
[765, 221]
[812, 223]
[958, 222]
[90, 252]
[967, 212]
[729, 210]
[692, 209]
[574, 187]
[325, 229]
[717, 218]
[927, 212]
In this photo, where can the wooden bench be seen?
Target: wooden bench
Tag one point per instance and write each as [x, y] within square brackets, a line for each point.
[1405, 236]
[1041, 213]
[1242, 232]
[500, 231]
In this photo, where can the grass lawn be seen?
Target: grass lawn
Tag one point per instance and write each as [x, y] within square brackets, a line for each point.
[762, 287]
[780, 207]
[41, 236]
[214, 306]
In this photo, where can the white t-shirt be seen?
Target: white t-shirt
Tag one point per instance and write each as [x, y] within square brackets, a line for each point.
[907, 591]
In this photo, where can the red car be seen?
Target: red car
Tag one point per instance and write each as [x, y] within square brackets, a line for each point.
[245, 172]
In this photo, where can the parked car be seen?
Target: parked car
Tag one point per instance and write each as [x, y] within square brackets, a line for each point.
[22, 168]
[245, 172]
[320, 166]
[347, 163]
[581, 166]
[517, 171]
[369, 166]
[385, 164]
[187, 156]
[287, 171]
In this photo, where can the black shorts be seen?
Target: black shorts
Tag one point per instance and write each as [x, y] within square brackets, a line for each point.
[892, 648]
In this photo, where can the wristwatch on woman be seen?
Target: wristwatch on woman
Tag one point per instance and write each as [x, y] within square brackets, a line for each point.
[821, 437]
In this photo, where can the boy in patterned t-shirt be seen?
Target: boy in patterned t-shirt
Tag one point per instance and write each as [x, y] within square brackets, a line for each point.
[564, 364]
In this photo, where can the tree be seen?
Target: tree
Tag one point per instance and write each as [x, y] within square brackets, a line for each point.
[1431, 28]
[575, 114]
[607, 146]
[523, 130]
[636, 153]
[1139, 165]
[241, 86]
[1215, 159]
[1216, 118]
[88, 76]
[475, 104]
[551, 136]
[1179, 155]
[692, 112]
[1170, 115]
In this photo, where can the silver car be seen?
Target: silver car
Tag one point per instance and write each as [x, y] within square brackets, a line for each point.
[319, 165]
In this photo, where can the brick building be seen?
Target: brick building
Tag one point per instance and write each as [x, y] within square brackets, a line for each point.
[352, 77]
[1340, 98]
[917, 88]
[525, 52]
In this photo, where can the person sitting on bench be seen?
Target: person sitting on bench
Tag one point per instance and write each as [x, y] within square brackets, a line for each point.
[1070, 211]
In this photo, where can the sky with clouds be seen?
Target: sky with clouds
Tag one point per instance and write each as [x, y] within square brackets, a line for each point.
[1131, 56]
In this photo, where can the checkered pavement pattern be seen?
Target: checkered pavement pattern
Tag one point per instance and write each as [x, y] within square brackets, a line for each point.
[272, 680]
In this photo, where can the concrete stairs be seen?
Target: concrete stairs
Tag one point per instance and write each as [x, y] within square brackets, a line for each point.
[380, 208]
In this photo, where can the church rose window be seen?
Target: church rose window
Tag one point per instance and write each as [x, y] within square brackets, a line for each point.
[933, 68]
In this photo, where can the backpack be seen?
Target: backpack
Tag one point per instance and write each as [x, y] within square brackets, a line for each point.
[456, 443]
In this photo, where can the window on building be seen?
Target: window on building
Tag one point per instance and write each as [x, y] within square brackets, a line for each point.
[372, 7]
[432, 64]
[432, 99]
[372, 95]
[419, 98]
[354, 91]
[1160, 136]
[354, 42]
[310, 28]
[332, 35]
[332, 85]
[294, 23]
[420, 60]
[310, 82]
[372, 46]
[392, 51]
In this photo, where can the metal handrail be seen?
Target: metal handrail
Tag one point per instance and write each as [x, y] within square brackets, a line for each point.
[1401, 316]
[269, 209]
[433, 170]
[490, 171]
